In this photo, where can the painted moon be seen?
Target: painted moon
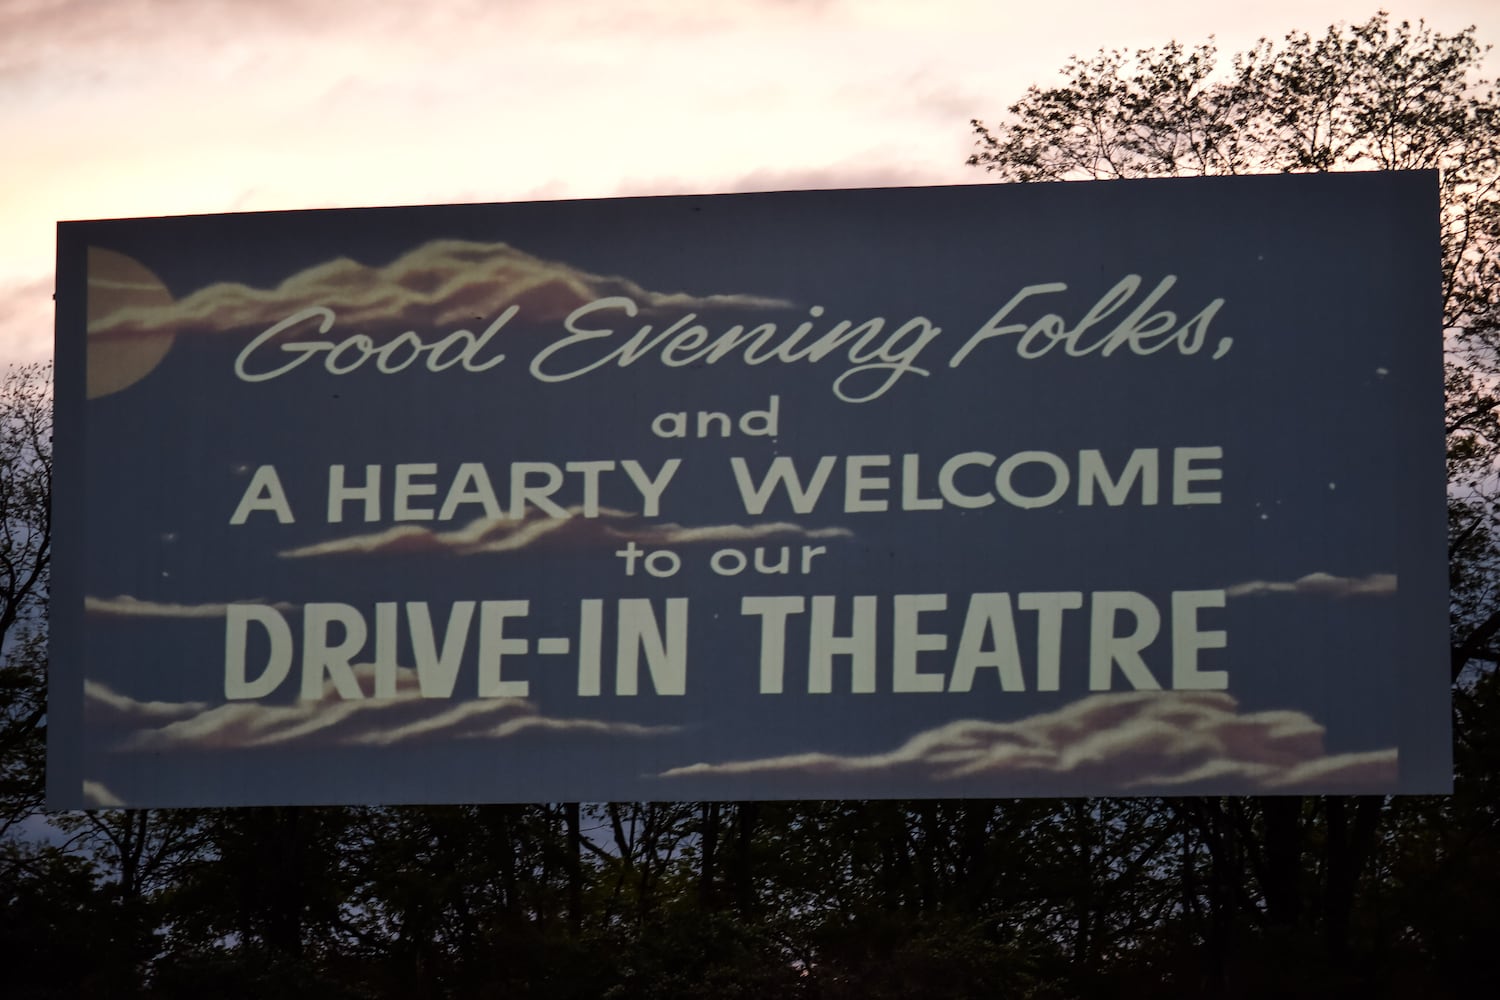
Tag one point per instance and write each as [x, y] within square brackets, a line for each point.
[121, 349]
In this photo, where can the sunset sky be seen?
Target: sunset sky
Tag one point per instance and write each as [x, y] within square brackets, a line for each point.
[116, 108]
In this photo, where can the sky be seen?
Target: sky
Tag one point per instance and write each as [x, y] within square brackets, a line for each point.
[125, 108]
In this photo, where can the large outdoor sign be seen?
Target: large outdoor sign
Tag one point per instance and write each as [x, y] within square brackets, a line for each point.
[1116, 488]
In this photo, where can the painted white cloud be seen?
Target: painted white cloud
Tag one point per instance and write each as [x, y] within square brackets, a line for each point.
[1126, 741]
[537, 530]
[108, 708]
[330, 720]
[1326, 584]
[97, 796]
[439, 286]
[125, 606]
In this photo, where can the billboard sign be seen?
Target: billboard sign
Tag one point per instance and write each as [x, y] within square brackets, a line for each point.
[1120, 488]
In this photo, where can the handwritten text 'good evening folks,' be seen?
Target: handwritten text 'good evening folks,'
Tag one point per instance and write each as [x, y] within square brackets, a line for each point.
[877, 357]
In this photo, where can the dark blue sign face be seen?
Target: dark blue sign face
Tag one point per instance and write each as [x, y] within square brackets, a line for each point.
[1117, 488]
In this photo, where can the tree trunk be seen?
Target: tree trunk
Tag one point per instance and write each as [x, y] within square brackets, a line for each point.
[1348, 851]
[1283, 859]
[575, 867]
[747, 815]
[709, 846]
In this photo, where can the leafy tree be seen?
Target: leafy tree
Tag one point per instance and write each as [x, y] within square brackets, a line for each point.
[25, 559]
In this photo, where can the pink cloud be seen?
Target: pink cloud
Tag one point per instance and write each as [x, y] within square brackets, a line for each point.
[26, 320]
